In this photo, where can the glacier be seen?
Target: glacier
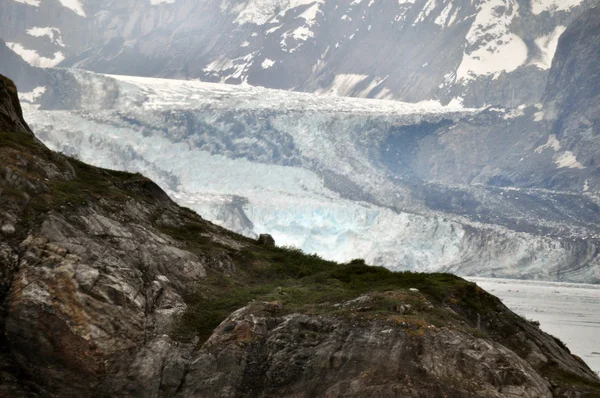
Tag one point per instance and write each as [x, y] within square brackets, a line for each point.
[324, 174]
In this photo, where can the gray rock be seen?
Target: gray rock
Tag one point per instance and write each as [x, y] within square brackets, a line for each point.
[266, 240]
[8, 229]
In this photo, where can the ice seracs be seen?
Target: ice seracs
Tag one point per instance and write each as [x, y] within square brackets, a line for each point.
[298, 166]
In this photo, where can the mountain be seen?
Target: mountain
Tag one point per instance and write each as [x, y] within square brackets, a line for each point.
[494, 52]
[493, 191]
[108, 288]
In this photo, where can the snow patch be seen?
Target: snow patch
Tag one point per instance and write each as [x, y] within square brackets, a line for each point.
[491, 47]
[52, 33]
[567, 160]
[34, 59]
[514, 113]
[32, 96]
[267, 63]
[446, 18]
[426, 11]
[343, 85]
[547, 45]
[74, 5]
[310, 15]
[539, 6]
[259, 12]
[538, 116]
[226, 69]
[552, 143]
[35, 3]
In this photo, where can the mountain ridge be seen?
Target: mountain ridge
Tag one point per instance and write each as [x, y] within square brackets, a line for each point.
[477, 52]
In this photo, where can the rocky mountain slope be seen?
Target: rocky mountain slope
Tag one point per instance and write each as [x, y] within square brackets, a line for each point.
[551, 145]
[495, 52]
[110, 289]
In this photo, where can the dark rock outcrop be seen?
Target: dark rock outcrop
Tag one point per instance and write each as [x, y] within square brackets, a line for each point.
[266, 240]
[11, 115]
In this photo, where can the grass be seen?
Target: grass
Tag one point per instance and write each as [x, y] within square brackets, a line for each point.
[309, 284]
[80, 185]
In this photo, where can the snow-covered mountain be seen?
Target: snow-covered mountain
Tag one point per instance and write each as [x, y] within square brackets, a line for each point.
[494, 191]
[494, 52]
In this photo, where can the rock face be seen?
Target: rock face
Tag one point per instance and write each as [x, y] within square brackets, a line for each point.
[486, 52]
[110, 289]
[572, 97]
[11, 114]
[551, 145]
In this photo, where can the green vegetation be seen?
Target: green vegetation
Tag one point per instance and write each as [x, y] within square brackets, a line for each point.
[76, 183]
[309, 284]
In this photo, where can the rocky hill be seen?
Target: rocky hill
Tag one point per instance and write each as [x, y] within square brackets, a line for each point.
[108, 288]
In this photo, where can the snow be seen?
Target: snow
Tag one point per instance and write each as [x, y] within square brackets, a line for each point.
[158, 2]
[547, 45]
[237, 67]
[569, 311]
[167, 93]
[310, 15]
[446, 18]
[259, 12]
[302, 33]
[343, 85]
[346, 85]
[567, 160]
[514, 113]
[74, 5]
[35, 3]
[539, 6]
[267, 63]
[539, 116]
[427, 9]
[552, 143]
[491, 47]
[34, 59]
[33, 95]
[53, 34]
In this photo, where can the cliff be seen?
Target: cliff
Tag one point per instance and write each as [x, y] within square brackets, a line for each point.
[108, 288]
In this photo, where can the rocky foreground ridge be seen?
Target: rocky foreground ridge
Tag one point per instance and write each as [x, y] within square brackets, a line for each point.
[108, 288]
